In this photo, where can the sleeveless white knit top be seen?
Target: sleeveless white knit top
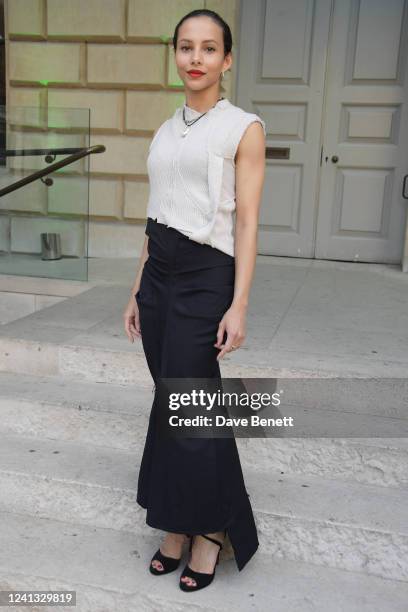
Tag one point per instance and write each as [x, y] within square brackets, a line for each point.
[192, 177]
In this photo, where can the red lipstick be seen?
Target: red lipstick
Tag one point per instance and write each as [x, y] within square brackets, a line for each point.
[195, 73]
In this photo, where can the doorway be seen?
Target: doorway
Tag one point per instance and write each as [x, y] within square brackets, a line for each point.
[331, 81]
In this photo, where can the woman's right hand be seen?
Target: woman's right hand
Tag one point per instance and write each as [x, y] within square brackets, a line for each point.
[131, 319]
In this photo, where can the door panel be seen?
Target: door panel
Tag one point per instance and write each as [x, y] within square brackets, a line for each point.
[282, 54]
[362, 213]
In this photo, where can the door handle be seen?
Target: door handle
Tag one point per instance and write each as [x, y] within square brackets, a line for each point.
[334, 158]
[404, 184]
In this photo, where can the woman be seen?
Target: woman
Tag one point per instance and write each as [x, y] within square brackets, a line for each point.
[205, 164]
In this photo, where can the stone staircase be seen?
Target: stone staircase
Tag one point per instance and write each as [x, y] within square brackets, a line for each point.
[75, 397]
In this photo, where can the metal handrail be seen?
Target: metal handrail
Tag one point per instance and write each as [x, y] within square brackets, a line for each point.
[78, 154]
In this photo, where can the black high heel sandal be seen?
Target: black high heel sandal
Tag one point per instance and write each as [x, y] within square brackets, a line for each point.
[169, 564]
[202, 579]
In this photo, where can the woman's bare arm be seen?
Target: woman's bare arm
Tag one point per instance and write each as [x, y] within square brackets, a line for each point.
[131, 314]
[144, 255]
[249, 179]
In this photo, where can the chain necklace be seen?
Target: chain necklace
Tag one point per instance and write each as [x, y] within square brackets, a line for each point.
[190, 123]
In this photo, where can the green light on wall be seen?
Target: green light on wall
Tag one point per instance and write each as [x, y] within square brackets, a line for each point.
[46, 82]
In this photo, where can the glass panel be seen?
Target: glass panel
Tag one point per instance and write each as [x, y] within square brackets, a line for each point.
[44, 223]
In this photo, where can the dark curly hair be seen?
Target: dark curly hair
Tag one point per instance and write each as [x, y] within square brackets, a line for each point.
[217, 18]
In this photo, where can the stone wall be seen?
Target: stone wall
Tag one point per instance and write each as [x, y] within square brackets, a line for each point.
[114, 57]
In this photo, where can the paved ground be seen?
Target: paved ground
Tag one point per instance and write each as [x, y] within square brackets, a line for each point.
[304, 315]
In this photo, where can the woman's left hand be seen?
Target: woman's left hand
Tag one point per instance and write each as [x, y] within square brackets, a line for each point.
[234, 325]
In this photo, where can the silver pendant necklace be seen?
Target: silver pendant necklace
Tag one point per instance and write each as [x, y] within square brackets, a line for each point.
[190, 123]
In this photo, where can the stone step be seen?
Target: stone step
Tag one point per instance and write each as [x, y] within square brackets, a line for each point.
[82, 337]
[108, 570]
[307, 518]
[117, 365]
[116, 416]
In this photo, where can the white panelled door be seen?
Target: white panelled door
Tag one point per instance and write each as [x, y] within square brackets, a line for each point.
[365, 137]
[330, 78]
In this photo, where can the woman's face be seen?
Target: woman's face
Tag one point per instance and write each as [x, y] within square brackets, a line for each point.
[200, 46]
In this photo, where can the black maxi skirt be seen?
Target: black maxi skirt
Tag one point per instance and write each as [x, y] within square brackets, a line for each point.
[189, 485]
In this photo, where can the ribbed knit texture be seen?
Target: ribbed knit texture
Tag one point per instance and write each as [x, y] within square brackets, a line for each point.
[192, 177]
